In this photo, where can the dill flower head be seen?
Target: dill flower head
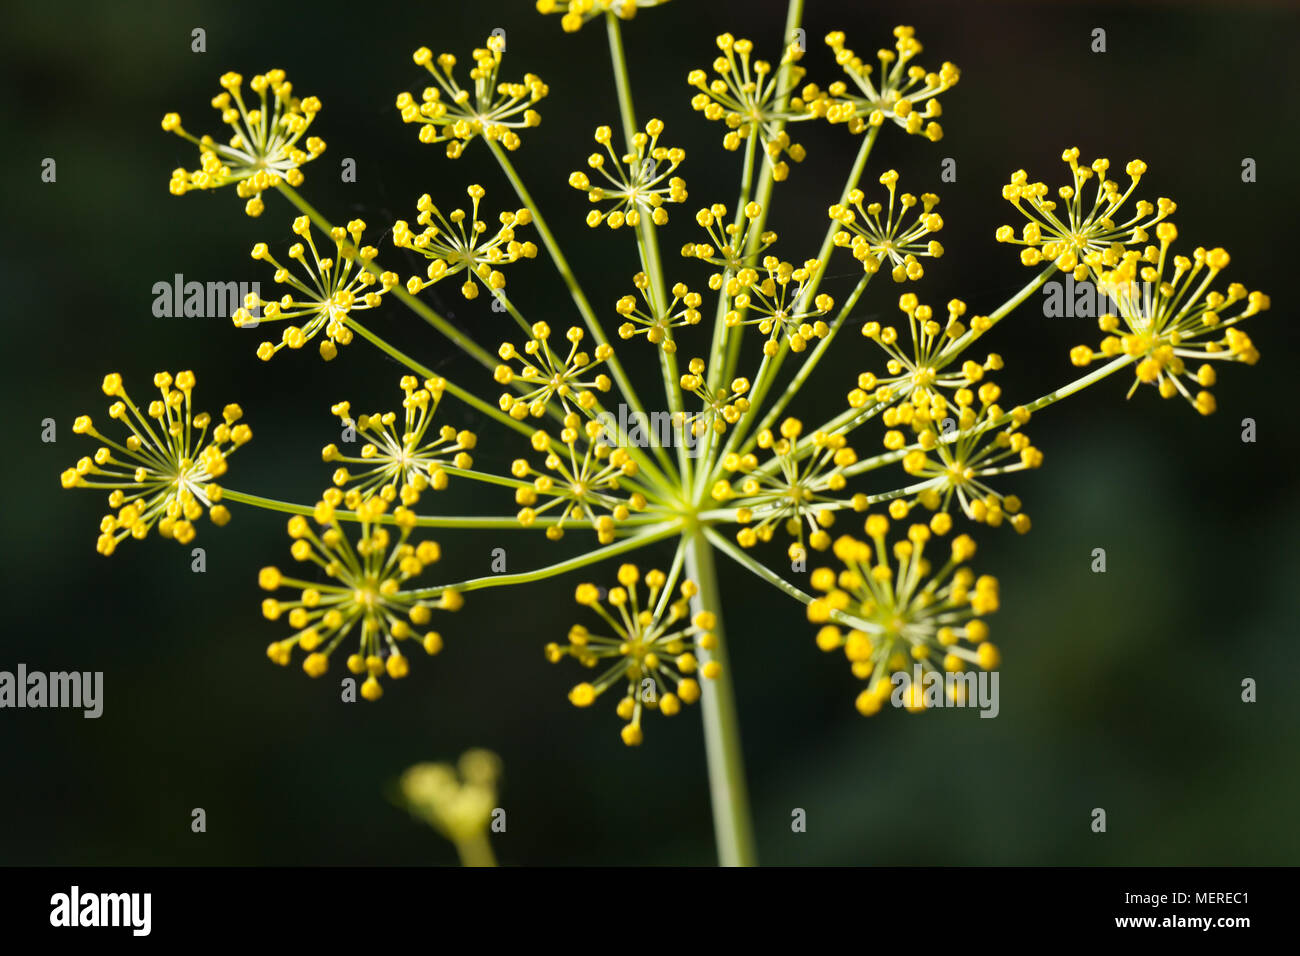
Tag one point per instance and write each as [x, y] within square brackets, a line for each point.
[656, 323]
[896, 93]
[639, 182]
[263, 147]
[1082, 235]
[772, 298]
[551, 375]
[456, 801]
[575, 13]
[651, 651]
[731, 240]
[718, 408]
[330, 289]
[400, 463]
[747, 96]
[1172, 318]
[874, 242]
[962, 448]
[922, 371]
[490, 108]
[796, 489]
[888, 611]
[163, 472]
[581, 485]
[459, 242]
[366, 598]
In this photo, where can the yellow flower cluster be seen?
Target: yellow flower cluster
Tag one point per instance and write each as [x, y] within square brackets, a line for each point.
[456, 115]
[575, 13]
[718, 408]
[365, 597]
[1163, 313]
[640, 182]
[874, 242]
[1080, 236]
[655, 323]
[164, 472]
[944, 421]
[773, 299]
[920, 371]
[548, 375]
[897, 92]
[400, 463]
[263, 148]
[753, 100]
[898, 609]
[460, 242]
[652, 651]
[732, 241]
[962, 445]
[790, 490]
[330, 290]
[1172, 318]
[583, 486]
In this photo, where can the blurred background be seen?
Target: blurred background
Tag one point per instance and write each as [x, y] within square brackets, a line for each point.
[1119, 690]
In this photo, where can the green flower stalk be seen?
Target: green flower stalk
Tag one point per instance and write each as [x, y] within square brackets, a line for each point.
[459, 802]
[721, 463]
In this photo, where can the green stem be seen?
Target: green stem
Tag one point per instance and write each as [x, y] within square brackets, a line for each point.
[627, 113]
[766, 180]
[732, 826]
[828, 242]
[566, 272]
[423, 521]
[719, 346]
[660, 477]
[1002, 311]
[809, 291]
[769, 368]
[640, 540]
[476, 851]
[801, 376]
[1065, 391]
[647, 238]
[770, 576]
[750, 564]
[468, 397]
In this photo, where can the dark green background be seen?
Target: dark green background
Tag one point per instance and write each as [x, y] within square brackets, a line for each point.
[1119, 690]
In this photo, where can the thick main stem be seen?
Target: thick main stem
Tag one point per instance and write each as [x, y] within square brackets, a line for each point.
[476, 851]
[732, 825]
